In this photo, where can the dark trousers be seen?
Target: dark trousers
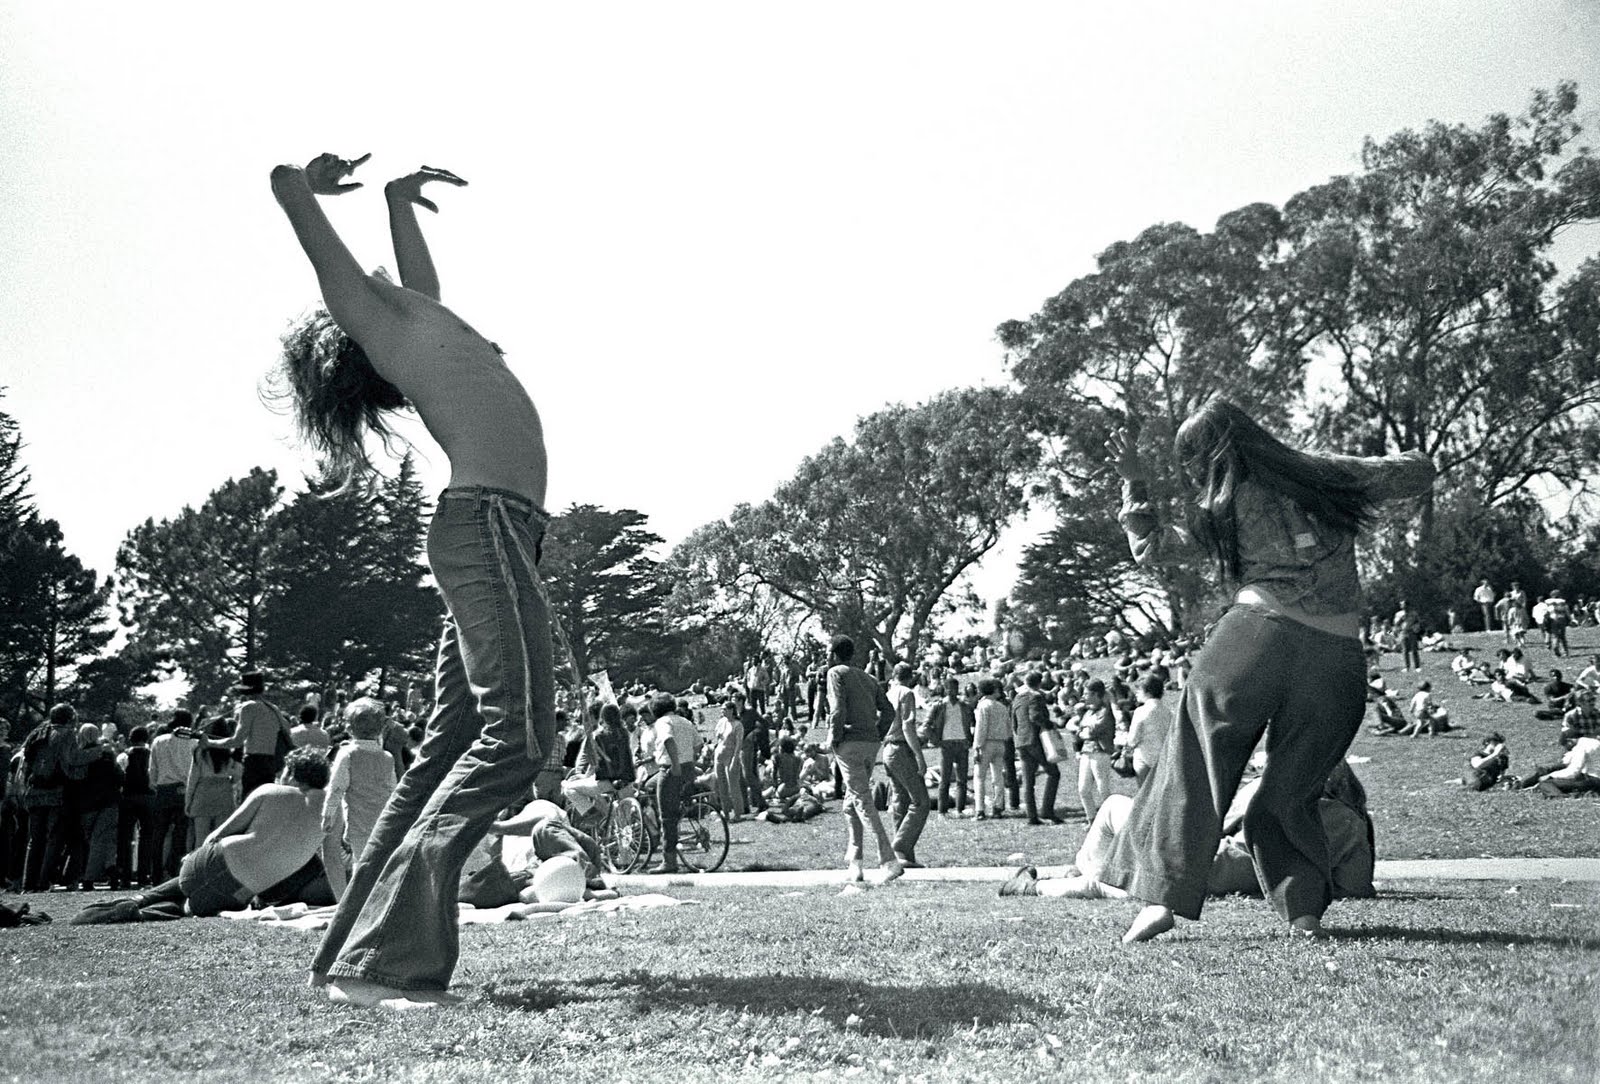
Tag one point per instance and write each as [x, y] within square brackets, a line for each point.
[1556, 787]
[13, 840]
[98, 829]
[1013, 796]
[669, 799]
[259, 770]
[1033, 763]
[136, 812]
[49, 830]
[169, 842]
[1410, 651]
[953, 757]
[1258, 672]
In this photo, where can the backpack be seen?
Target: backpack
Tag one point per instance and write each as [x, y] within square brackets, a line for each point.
[41, 766]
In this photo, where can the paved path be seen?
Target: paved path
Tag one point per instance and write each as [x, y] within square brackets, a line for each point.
[1450, 869]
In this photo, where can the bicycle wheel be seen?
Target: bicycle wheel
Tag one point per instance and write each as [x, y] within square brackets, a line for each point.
[702, 835]
[627, 843]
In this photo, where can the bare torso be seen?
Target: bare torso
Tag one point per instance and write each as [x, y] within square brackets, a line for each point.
[470, 401]
[279, 838]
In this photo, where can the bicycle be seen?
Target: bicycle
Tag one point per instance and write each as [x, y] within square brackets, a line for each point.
[621, 831]
[702, 831]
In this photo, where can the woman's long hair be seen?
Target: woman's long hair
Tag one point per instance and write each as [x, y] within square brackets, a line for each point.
[337, 395]
[1221, 446]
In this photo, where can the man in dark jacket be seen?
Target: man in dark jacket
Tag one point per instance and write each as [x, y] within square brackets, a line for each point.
[1030, 717]
[950, 724]
[50, 758]
[136, 810]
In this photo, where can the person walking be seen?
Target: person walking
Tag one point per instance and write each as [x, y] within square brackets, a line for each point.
[951, 722]
[1285, 659]
[907, 768]
[859, 717]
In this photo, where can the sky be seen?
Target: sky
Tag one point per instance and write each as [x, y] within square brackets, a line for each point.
[708, 235]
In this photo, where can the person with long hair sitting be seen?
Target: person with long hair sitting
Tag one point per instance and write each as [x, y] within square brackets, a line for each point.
[378, 348]
[1286, 659]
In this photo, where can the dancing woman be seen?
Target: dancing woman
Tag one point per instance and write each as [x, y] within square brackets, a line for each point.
[492, 731]
[1286, 658]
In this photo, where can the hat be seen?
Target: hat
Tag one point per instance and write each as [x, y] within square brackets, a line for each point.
[253, 682]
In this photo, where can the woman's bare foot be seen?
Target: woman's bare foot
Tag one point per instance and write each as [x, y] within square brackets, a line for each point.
[1151, 922]
[1306, 926]
[1074, 888]
[367, 995]
[891, 870]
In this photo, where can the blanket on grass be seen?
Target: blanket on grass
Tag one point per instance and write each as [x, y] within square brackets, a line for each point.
[299, 916]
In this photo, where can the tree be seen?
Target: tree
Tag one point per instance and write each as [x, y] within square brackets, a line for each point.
[53, 612]
[1428, 281]
[873, 536]
[193, 588]
[604, 587]
[14, 500]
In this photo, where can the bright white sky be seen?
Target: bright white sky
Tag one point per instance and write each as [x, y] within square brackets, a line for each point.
[708, 235]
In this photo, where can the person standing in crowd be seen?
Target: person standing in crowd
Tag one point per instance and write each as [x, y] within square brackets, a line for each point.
[1286, 659]
[310, 732]
[757, 679]
[1147, 730]
[951, 722]
[907, 768]
[210, 789]
[13, 817]
[1483, 595]
[756, 751]
[1097, 741]
[1557, 616]
[1030, 718]
[170, 756]
[50, 759]
[613, 748]
[257, 727]
[135, 814]
[859, 717]
[360, 782]
[1517, 615]
[675, 741]
[93, 799]
[992, 725]
[1409, 628]
[727, 761]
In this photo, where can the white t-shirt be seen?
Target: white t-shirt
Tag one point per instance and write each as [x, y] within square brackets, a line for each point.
[682, 733]
[953, 730]
[1483, 595]
[1147, 733]
[1582, 759]
[1421, 704]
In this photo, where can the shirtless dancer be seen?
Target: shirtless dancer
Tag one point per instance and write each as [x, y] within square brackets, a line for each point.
[393, 941]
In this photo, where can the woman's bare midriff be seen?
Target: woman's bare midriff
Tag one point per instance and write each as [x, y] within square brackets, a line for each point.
[1347, 625]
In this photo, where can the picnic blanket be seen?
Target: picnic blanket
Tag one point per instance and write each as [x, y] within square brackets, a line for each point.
[299, 916]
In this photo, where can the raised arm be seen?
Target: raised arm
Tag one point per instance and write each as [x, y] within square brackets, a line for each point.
[353, 302]
[410, 250]
[1148, 538]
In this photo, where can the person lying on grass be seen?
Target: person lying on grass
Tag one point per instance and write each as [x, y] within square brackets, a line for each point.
[269, 839]
[1342, 807]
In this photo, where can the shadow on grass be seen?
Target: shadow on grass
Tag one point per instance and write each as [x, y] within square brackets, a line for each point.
[923, 1010]
[1441, 936]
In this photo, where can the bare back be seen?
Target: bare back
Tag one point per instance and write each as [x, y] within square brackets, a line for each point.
[280, 837]
[470, 401]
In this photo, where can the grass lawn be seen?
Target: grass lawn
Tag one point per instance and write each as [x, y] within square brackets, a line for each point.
[1434, 981]
[910, 982]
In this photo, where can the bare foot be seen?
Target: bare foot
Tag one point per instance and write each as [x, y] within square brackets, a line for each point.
[891, 870]
[854, 872]
[367, 995]
[1151, 922]
[1306, 926]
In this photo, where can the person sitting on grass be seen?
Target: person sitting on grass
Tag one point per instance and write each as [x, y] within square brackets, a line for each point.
[816, 772]
[1577, 774]
[1342, 806]
[1468, 669]
[1582, 719]
[268, 840]
[1486, 767]
[1558, 697]
[1391, 719]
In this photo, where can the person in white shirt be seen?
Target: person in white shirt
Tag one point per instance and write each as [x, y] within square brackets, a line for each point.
[989, 734]
[1426, 713]
[1579, 771]
[1590, 678]
[310, 731]
[170, 756]
[359, 785]
[1148, 730]
[1484, 597]
[675, 741]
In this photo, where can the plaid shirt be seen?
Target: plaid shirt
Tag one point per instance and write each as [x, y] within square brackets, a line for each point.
[1583, 720]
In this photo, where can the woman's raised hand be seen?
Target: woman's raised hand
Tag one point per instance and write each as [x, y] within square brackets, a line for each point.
[326, 172]
[1122, 453]
[409, 187]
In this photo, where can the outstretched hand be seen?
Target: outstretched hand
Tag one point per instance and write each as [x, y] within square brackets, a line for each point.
[1122, 453]
[325, 172]
[409, 187]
